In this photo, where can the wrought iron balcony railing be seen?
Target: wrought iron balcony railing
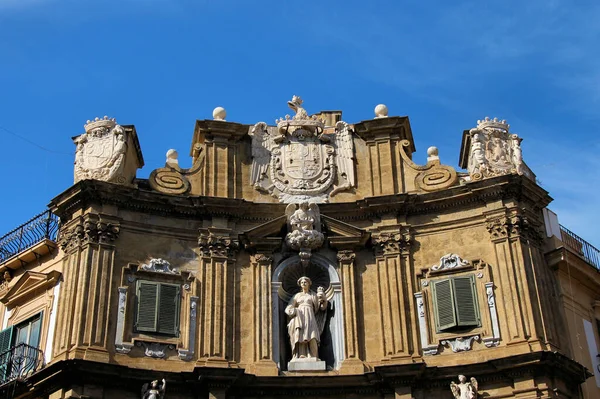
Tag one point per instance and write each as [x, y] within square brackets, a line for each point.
[580, 246]
[40, 227]
[19, 362]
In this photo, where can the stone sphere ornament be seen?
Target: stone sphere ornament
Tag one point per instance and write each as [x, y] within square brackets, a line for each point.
[219, 114]
[433, 151]
[381, 111]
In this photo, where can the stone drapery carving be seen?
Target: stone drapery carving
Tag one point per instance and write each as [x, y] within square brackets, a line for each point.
[450, 261]
[428, 349]
[494, 151]
[155, 349]
[158, 265]
[101, 151]
[391, 243]
[188, 354]
[154, 390]
[460, 344]
[464, 389]
[120, 346]
[307, 313]
[297, 161]
[304, 226]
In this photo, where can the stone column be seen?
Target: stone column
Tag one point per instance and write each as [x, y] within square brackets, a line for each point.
[352, 363]
[395, 288]
[88, 265]
[263, 323]
[217, 261]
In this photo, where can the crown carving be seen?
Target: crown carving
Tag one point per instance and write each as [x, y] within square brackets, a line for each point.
[300, 121]
[493, 124]
[98, 123]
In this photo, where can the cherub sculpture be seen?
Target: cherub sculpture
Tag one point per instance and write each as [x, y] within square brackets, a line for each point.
[464, 389]
[154, 391]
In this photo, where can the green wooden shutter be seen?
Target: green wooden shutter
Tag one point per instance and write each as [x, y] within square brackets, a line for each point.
[443, 305]
[465, 298]
[168, 309]
[147, 298]
[6, 339]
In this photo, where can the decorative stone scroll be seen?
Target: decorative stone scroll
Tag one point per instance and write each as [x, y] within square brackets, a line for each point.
[171, 179]
[158, 265]
[101, 152]
[296, 161]
[494, 151]
[460, 344]
[304, 226]
[450, 261]
[432, 176]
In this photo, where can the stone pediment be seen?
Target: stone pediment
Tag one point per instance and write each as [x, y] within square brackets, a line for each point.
[342, 234]
[267, 234]
[29, 285]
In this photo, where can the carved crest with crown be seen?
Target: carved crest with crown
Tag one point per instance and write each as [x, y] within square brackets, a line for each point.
[494, 151]
[101, 151]
[299, 160]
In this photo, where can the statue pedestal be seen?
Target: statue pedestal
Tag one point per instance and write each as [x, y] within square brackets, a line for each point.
[307, 364]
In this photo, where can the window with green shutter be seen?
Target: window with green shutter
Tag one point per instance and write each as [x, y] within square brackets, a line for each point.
[455, 303]
[157, 308]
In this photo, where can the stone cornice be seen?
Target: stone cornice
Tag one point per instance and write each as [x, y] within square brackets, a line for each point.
[479, 192]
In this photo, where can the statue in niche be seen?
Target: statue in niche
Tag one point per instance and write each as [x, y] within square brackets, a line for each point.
[464, 389]
[307, 311]
[517, 154]
[155, 391]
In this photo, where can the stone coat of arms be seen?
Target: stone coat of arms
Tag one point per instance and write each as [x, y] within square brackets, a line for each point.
[297, 161]
[101, 151]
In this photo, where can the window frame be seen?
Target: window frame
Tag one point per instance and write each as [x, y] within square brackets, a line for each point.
[159, 306]
[458, 323]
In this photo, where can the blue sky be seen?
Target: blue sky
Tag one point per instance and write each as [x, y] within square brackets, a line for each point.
[162, 64]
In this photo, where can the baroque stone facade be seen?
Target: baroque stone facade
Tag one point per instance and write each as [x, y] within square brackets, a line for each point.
[308, 258]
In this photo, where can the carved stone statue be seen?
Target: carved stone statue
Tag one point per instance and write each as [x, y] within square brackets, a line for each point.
[304, 225]
[464, 389]
[155, 391]
[298, 161]
[307, 311]
[494, 151]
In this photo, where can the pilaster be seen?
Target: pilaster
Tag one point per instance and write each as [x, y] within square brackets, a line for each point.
[88, 242]
[217, 261]
[222, 169]
[395, 285]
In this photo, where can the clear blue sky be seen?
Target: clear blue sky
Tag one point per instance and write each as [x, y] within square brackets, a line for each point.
[162, 64]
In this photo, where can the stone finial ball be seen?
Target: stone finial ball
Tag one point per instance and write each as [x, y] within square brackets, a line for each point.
[432, 152]
[219, 114]
[172, 154]
[381, 111]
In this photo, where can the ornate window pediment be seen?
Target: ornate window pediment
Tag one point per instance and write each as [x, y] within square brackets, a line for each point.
[29, 285]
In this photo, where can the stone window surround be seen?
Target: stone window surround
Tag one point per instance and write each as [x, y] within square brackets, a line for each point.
[457, 342]
[156, 345]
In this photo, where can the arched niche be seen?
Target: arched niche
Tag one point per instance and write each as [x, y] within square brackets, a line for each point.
[283, 286]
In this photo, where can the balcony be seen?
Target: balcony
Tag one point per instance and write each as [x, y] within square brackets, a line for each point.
[28, 242]
[580, 246]
[19, 362]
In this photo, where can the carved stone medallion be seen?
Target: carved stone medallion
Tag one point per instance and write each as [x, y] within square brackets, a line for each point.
[296, 161]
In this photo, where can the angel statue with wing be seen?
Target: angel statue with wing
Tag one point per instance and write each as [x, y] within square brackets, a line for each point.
[154, 391]
[307, 311]
[464, 389]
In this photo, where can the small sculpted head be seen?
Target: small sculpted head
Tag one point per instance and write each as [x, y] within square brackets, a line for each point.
[304, 283]
[462, 379]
